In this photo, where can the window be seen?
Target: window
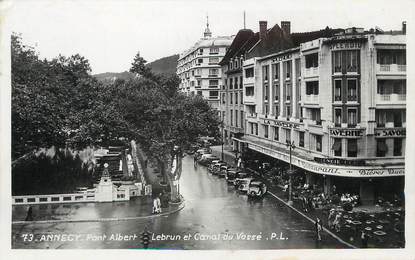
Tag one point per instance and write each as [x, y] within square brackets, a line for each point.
[200, 51]
[381, 147]
[288, 108]
[351, 90]
[318, 139]
[236, 98]
[213, 72]
[288, 92]
[337, 146]
[249, 72]
[236, 118]
[311, 88]
[352, 147]
[337, 117]
[352, 61]
[213, 60]
[214, 50]
[276, 133]
[352, 117]
[277, 111]
[213, 83]
[387, 57]
[199, 61]
[266, 131]
[276, 92]
[231, 98]
[242, 118]
[199, 93]
[397, 147]
[251, 125]
[249, 91]
[338, 90]
[213, 94]
[236, 83]
[256, 129]
[193, 72]
[315, 115]
[240, 82]
[301, 139]
[231, 113]
[231, 83]
[266, 92]
[337, 61]
[199, 83]
[287, 67]
[223, 98]
[265, 73]
[287, 135]
[311, 61]
[381, 118]
[276, 71]
[242, 99]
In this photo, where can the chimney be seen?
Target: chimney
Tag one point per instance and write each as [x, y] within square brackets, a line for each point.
[286, 26]
[404, 27]
[262, 29]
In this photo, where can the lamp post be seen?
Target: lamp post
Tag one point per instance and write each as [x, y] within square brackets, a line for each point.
[222, 138]
[291, 146]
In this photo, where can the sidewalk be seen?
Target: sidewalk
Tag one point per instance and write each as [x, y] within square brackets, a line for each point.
[350, 231]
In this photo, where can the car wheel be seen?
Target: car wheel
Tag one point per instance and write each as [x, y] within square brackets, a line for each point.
[252, 193]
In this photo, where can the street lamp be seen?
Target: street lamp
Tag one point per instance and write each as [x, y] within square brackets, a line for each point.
[222, 138]
[291, 145]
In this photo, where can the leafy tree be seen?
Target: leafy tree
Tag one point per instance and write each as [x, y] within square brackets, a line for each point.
[138, 66]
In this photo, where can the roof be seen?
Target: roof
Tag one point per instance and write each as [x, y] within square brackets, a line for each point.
[277, 40]
[208, 42]
[238, 42]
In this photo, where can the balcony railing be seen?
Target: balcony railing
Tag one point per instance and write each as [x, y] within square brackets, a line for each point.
[337, 98]
[390, 68]
[311, 72]
[391, 98]
[251, 115]
[311, 99]
[352, 98]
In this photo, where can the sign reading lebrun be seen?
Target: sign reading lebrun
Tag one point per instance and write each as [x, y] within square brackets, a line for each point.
[344, 171]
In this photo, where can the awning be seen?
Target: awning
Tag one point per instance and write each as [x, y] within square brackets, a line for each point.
[382, 147]
[352, 146]
[337, 146]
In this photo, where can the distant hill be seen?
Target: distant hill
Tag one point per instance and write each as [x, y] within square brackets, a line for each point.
[166, 65]
[112, 76]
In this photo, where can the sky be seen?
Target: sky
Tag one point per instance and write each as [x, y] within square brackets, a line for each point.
[110, 33]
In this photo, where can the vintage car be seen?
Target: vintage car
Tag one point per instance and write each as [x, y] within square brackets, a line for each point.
[211, 164]
[231, 175]
[243, 184]
[206, 159]
[201, 151]
[217, 167]
[223, 170]
[239, 176]
[256, 189]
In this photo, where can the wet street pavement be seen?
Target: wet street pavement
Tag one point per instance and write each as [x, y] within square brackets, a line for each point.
[215, 216]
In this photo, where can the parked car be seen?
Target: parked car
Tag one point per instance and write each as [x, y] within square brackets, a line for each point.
[223, 170]
[201, 152]
[239, 176]
[217, 167]
[231, 175]
[211, 164]
[256, 189]
[243, 184]
[205, 159]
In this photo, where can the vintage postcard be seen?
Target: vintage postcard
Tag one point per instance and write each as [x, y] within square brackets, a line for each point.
[223, 126]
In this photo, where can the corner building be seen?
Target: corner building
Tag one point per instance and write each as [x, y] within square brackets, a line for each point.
[340, 95]
[198, 67]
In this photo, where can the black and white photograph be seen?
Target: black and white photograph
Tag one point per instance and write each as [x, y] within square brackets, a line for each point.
[171, 126]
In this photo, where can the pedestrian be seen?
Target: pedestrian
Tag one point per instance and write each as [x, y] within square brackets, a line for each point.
[239, 163]
[330, 218]
[336, 222]
[319, 229]
[364, 238]
[156, 205]
[304, 202]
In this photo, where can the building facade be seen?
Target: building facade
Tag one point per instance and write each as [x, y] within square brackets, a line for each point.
[198, 67]
[339, 96]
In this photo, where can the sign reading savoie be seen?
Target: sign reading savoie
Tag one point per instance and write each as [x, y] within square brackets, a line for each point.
[351, 171]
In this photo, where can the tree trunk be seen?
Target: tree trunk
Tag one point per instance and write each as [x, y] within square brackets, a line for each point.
[174, 195]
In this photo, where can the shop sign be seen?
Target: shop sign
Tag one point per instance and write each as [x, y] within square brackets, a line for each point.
[282, 124]
[344, 171]
[345, 45]
[394, 132]
[282, 57]
[337, 161]
[346, 132]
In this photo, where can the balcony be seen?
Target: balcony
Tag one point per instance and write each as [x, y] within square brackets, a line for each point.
[391, 98]
[311, 99]
[251, 115]
[250, 80]
[390, 69]
[352, 98]
[311, 72]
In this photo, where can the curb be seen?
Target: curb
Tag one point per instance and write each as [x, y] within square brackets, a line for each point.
[100, 219]
[312, 221]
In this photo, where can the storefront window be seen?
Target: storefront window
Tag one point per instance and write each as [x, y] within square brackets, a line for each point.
[397, 147]
[301, 139]
[338, 90]
[352, 147]
[381, 148]
[276, 133]
[318, 143]
[337, 147]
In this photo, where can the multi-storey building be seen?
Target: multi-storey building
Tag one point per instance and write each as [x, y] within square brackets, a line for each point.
[339, 95]
[231, 95]
[198, 67]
